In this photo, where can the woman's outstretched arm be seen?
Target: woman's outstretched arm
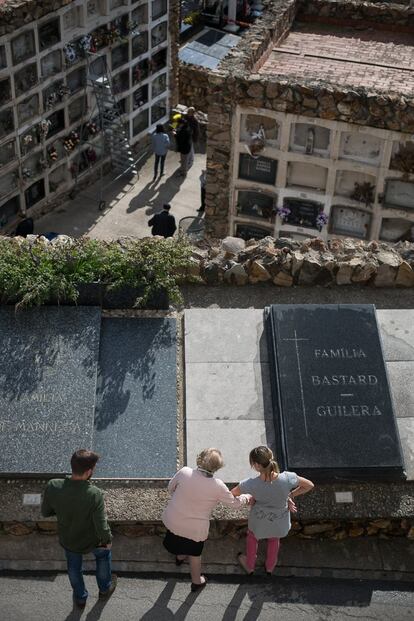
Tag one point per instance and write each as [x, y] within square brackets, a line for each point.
[304, 486]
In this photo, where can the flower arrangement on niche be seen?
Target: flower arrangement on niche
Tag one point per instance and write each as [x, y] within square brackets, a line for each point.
[70, 53]
[52, 153]
[91, 155]
[403, 160]
[87, 44]
[30, 139]
[113, 35]
[71, 141]
[100, 38]
[43, 128]
[27, 140]
[364, 193]
[91, 128]
[132, 28]
[321, 220]
[57, 96]
[26, 173]
[283, 213]
[192, 19]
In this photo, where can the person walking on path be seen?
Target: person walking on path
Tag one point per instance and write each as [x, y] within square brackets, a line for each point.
[160, 144]
[184, 146]
[269, 518]
[203, 181]
[194, 495]
[82, 525]
[163, 223]
[195, 132]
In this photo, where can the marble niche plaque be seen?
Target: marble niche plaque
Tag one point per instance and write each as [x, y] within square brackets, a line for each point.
[48, 373]
[332, 405]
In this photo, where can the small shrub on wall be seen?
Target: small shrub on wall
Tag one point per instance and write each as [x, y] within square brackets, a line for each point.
[35, 272]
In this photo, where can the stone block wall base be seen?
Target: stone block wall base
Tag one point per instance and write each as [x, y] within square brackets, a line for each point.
[367, 558]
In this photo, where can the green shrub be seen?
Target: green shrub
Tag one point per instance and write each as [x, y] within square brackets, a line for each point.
[34, 273]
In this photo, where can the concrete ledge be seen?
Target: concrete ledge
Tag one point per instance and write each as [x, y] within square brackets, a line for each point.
[353, 558]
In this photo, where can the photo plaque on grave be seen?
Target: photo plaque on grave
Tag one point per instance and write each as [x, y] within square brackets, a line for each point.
[333, 410]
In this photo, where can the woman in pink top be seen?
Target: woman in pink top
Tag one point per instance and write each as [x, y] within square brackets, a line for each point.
[194, 495]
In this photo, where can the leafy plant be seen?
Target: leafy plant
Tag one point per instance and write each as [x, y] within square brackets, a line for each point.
[363, 192]
[152, 265]
[34, 273]
[403, 160]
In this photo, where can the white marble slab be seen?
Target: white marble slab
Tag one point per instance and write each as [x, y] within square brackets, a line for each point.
[401, 378]
[224, 335]
[228, 391]
[397, 333]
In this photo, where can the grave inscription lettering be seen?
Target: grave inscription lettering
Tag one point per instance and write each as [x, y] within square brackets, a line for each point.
[333, 410]
[48, 375]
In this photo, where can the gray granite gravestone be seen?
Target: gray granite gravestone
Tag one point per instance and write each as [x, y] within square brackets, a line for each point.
[333, 410]
[136, 409]
[48, 370]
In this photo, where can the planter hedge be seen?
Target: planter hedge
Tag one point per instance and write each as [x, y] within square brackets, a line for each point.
[118, 274]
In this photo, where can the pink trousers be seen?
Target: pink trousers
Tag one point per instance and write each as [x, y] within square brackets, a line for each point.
[271, 554]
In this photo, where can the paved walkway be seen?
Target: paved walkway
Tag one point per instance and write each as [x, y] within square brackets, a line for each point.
[130, 205]
[37, 598]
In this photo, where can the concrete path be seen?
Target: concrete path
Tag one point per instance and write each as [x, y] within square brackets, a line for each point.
[228, 393]
[129, 205]
[37, 598]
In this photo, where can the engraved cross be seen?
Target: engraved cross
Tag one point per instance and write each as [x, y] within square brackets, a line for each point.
[302, 395]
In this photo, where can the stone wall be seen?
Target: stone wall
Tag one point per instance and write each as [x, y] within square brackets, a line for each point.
[193, 86]
[174, 30]
[236, 529]
[286, 262]
[395, 16]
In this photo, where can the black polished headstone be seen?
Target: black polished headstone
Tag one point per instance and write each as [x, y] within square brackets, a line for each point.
[136, 410]
[333, 410]
[48, 371]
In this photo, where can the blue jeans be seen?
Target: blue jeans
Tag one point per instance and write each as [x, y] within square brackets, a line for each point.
[103, 558]
[159, 159]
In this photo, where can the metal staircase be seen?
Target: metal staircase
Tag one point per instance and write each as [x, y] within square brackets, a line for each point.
[115, 138]
[106, 112]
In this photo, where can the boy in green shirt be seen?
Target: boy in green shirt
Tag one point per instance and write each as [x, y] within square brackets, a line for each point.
[82, 525]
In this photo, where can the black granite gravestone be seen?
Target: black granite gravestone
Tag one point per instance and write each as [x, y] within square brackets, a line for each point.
[50, 383]
[333, 410]
[48, 367]
[136, 409]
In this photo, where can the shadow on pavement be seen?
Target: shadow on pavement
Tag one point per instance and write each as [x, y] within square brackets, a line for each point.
[153, 196]
[160, 610]
[303, 591]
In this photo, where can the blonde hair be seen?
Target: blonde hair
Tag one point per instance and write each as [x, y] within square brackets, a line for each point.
[262, 456]
[210, 459]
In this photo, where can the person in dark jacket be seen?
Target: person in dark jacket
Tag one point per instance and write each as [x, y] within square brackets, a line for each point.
[25, 227]
[82, 525]
[184, 141]
[163, 223]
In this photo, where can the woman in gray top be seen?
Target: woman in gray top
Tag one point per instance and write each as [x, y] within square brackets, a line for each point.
[269, 517]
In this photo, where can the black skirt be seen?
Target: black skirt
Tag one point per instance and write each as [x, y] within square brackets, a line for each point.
[182, 546]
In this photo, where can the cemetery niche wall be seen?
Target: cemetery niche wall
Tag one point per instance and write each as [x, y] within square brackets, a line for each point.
[332, 406]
